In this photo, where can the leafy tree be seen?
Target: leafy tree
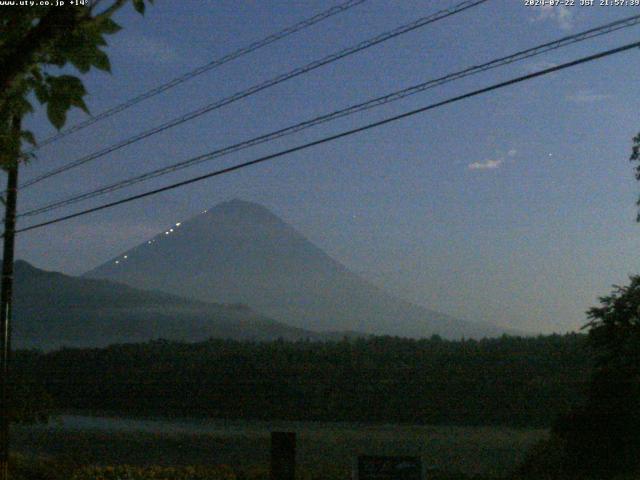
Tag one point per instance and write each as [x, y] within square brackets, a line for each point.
[635, 157]
[615, 330]
[32, 39]
[602, 436]
[36, 37]
[505, 381]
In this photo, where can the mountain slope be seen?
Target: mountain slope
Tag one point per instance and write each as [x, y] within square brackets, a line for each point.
[52, 310]
[241, 252]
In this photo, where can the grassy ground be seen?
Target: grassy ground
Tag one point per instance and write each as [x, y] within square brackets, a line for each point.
[327, 448]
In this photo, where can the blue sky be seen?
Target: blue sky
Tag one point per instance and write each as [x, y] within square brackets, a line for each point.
[515, 207]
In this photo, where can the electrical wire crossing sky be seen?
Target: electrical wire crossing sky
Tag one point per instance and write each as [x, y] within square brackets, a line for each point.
[514, 206]
[391, 97]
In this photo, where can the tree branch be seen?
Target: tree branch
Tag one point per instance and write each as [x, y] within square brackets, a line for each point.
[47, 30]
[117, 5]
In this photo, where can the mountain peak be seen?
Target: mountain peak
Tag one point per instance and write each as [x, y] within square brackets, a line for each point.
[54, 310]
[24, 266]
[240, 252]
[242, 208]
[240, 203]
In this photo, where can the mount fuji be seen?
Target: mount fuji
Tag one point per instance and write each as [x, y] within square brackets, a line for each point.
[239, 252]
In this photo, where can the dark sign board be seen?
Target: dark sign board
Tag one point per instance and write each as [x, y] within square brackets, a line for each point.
[283, 456]
[371, 467]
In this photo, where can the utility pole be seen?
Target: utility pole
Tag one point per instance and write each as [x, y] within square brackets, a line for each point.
[6, 294]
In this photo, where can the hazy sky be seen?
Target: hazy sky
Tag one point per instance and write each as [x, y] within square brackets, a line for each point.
[515, 207]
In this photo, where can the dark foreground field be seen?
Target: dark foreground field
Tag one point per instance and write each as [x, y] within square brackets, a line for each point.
[325, 450]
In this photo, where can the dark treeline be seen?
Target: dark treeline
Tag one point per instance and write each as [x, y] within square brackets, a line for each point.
[509, 381]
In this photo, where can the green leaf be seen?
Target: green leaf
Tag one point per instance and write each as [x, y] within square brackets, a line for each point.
[42, 92]
[23, 106]
[28, 136]
[101, 61]
[65, 91]
[57, 113]
[79, 103]
[139, 6]
[82, 59]
[109, 27]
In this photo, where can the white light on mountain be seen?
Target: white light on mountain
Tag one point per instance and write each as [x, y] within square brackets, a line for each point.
[178, 224]
[166, 233]
[117, 262]
[171, 229]
[126, 256]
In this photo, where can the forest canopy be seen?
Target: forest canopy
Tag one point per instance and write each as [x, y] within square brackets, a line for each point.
[508, 381]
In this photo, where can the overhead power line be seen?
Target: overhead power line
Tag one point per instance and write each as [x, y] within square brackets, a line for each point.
[343, 7]
[421, 22]
[331, 138]
[397, 95]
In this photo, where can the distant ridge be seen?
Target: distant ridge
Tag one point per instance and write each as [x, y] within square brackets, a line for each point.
[54, 310]
[240, 252]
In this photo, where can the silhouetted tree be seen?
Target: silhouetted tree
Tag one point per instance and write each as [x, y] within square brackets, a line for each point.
[503, 381]
[32, 38]
[602, 437]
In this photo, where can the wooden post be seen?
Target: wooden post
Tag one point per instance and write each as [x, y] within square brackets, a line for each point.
[283, 456]
[5, 302]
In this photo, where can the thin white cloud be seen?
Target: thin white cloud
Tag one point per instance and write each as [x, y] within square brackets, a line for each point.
[490, 164]
[561, 15]
[586, 96]
[512, 153]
